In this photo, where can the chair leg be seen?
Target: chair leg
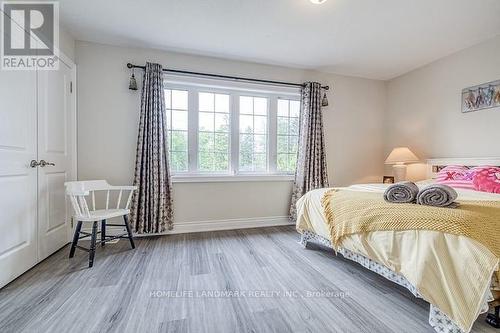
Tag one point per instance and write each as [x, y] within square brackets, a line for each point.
[103, 232]
[75, 239]
[129, 231]
[92, 244]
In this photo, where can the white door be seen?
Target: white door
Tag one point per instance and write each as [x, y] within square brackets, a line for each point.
[18, 183]
[56, 133]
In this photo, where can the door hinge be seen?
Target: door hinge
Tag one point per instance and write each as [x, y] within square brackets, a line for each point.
[71, 87]
[71, 223]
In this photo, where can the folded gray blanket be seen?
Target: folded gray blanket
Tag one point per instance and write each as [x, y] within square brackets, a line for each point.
[438, 195]
[402, 192]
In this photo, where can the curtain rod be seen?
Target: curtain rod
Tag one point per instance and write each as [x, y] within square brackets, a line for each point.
[176, 71]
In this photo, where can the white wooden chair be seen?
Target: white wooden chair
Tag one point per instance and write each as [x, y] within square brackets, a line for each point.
[79, 192]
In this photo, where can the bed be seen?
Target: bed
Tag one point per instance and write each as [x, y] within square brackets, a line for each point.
[457, 275]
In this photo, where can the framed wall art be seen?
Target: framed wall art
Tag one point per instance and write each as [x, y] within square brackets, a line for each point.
[388, 180]
[483, 96]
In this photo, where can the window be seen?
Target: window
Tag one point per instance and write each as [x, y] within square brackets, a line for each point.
[287, 134]
[253, 134]
[231, 128]
[176, 105]
[213, 132]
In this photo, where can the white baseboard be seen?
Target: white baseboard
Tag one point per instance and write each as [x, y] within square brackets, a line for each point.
[231, 224]
[212, 225]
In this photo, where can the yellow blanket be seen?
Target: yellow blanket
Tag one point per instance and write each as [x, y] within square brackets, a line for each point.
[449, 270]
[350, 212]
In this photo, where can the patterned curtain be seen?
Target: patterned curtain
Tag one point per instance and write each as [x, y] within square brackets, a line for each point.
[311, 170]
[151, 209]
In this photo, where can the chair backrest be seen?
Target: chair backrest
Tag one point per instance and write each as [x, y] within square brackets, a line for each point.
[84, 187]
[79, 190]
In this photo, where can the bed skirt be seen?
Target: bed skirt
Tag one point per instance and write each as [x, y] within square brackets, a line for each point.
[437, 319]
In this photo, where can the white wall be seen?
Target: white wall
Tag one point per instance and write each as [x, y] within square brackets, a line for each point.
[364, 121]
[67, 44]
[424, 108]
[108, 117]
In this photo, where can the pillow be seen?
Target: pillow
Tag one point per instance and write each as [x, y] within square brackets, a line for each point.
[487, 179]
[457, 176]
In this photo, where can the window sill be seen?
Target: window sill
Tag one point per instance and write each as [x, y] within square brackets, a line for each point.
[230, 178]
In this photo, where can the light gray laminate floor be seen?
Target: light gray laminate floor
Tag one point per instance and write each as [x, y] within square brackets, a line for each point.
[128, 290]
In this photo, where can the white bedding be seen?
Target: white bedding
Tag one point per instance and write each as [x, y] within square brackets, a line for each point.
[441, 266]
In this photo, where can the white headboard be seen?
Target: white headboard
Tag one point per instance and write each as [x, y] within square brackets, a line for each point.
[436, 164]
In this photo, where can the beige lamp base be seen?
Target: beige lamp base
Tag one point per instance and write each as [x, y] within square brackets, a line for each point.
[399, 171]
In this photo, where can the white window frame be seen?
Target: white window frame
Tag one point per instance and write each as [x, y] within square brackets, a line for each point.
[288, 135]
[234, 89]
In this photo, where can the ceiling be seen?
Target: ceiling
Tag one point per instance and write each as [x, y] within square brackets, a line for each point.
[377, 39]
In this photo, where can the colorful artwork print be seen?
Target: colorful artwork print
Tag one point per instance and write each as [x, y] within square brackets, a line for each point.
[479, 97]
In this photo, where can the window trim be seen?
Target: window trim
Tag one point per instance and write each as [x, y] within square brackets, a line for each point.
[197, 132]
[288, 135]
[267, 134]
[234, 90]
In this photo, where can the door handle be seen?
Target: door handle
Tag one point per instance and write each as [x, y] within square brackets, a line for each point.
[44, 163]
[34, 164]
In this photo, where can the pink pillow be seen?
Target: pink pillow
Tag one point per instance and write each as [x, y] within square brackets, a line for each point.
[457, 176]
[487, 179]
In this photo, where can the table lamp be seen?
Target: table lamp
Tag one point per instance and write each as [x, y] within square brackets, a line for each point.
[398, 157]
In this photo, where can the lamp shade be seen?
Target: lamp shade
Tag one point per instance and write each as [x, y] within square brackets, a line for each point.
[401, 155]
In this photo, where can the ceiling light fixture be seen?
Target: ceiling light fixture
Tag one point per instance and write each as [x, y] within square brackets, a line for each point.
[318, 2]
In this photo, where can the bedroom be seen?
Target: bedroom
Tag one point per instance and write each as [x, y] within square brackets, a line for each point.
[242, 127]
